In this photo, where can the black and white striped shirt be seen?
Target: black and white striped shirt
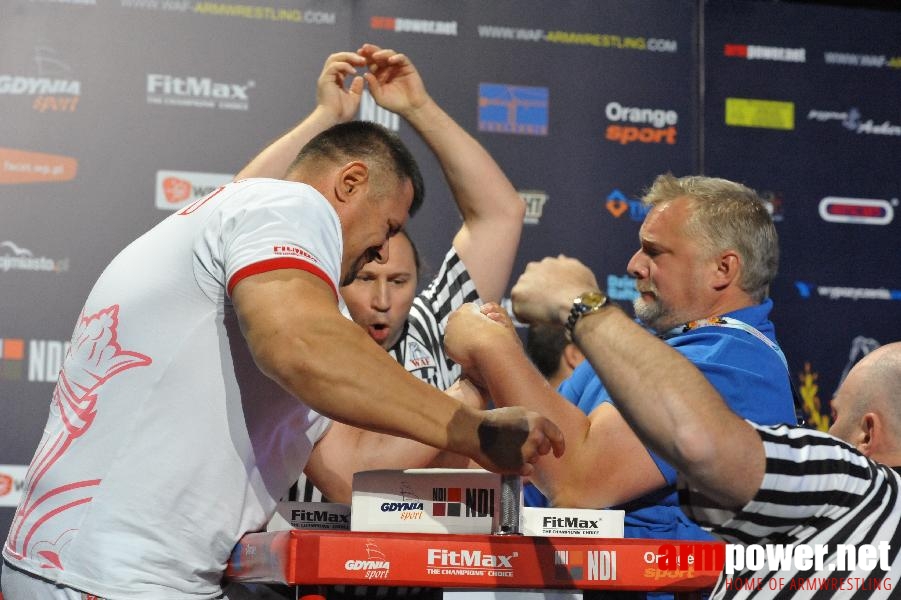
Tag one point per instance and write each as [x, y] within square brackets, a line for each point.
[820, 492]
[421, 347]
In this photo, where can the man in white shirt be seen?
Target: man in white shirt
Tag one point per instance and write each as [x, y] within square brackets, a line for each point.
[206, 364]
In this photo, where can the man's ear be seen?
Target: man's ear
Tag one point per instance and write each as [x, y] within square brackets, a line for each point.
[728, 269]
[869, 434]
[352, 181]
[572, 355]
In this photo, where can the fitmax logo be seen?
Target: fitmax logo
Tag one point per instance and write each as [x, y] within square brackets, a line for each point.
[203, 87]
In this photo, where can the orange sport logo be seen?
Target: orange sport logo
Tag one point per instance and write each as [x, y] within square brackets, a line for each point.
[639, 124]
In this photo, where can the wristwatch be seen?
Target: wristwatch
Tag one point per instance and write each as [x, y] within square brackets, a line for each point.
[586, 304]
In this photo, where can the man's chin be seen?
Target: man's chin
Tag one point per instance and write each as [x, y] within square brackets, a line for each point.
[649, 314]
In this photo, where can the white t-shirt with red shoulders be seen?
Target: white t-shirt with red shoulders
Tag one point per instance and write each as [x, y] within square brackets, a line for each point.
[165, 443]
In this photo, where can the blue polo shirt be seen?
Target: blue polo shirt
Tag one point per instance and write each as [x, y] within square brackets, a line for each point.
[748, 374]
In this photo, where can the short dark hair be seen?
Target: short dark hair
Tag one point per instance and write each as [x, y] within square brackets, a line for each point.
[370, 142]
[544, 345]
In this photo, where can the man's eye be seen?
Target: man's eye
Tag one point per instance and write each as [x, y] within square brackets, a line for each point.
[400, 280]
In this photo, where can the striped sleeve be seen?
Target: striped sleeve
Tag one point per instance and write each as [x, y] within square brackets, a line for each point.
[820, 492]
[811, 480]
[450, 289]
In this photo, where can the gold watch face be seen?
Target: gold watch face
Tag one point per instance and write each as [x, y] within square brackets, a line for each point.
[593, 299]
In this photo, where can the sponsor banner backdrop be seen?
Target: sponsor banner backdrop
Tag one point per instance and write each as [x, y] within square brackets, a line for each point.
[550, 89]
[802, 103]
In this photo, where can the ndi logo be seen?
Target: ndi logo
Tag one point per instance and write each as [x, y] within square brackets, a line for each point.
[460, 502]
[593, 565]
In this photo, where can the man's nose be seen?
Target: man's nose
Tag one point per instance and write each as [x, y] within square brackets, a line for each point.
[382, 254]
[637, 266]
[381, 297]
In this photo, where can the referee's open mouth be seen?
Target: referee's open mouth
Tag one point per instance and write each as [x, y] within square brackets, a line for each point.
[379, 332]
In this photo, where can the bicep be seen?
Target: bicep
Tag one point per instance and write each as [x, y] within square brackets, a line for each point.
[617, 467]
[278, 307]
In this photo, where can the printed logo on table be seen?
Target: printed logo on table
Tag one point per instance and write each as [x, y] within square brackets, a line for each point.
[569, 564]
[375, 566]
[640, 124]
[469, 562]
[463, 502]
[515, 109]
[178, 189]
[49, 86]
[410, 506]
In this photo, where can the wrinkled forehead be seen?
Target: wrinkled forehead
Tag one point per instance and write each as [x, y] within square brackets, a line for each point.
[667, 217]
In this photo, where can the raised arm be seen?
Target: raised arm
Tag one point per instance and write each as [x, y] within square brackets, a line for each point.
[336, 102]
[665, 399]
[297, 335]
[492, 210]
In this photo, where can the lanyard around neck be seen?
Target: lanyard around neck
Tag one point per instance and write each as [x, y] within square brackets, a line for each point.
[730, 323]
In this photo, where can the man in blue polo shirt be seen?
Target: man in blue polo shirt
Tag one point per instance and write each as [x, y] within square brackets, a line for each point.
[708, 254]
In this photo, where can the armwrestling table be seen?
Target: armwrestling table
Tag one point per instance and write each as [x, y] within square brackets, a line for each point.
[314, 560]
